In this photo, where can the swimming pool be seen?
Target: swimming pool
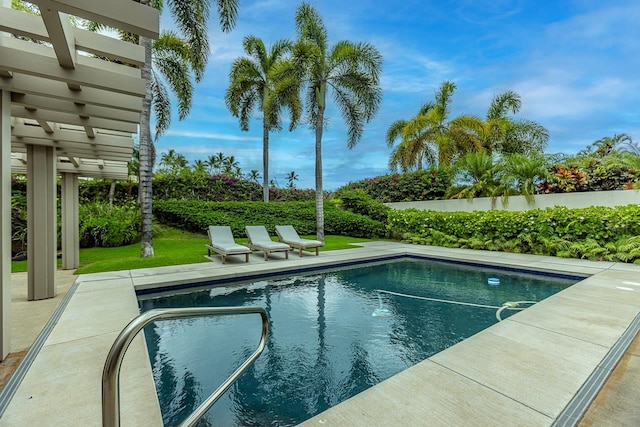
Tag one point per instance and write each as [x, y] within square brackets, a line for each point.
[332, 335]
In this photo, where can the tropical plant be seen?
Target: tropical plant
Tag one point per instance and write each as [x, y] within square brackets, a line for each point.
[507, 135]
[264, 79]
[175, 58]
[351, 71]
[172, 163]
[215, 163]
[291, 178]
[523, 173]
[606, 146]
[481, 175]
[415, 148]
[430, 137]
[253, 175]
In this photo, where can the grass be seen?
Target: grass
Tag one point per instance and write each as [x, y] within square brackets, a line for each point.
[171, 247]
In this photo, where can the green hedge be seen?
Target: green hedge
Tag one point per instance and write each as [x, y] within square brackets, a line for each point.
[598, 233]
[406, 187]
[358, 201]
[196, 216]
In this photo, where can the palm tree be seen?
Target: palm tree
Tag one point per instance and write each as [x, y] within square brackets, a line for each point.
[481, 174]
[253, 176]
[168, 159]
[503, 134]
[215, 163]
[231, 167]
[523, 172]
[199, 167]
[351, 71]
[415, 147]
[190, 54]
[430, 137]
[291, 178]
[265, 79]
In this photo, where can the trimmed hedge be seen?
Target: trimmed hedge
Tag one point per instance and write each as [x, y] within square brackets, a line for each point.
[196, 216]
[406, 187]
[358, 201]
[598, 233]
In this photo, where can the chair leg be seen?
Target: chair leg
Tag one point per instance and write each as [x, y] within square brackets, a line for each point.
[286, 254]
[265, 255]
[316, 251]
[223, 258]
[246, 257]
[300, 252]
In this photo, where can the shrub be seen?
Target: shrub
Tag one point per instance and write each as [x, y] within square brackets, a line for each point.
[196, 216]
[410, 186]
[358, 201]
[101, 226]
[594, 233]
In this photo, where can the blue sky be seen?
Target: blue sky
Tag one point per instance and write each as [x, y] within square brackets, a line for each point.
[575, 64]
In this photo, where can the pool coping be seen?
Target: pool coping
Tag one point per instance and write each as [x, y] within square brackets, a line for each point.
[187, 275]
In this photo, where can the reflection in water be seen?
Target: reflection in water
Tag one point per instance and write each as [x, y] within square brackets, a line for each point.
[324, 344]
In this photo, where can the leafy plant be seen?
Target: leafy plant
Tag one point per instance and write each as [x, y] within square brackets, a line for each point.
[102, 226]
[193, 215]
[593, 233]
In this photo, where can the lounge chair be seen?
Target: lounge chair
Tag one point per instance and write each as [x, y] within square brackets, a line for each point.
[289, 235]
[221, 241]
[259, 240]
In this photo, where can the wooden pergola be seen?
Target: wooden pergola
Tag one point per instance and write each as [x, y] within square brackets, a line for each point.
[64, 110]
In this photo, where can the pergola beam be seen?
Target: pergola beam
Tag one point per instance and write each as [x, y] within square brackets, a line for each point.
[63, 134]
[111, 171]
[52, 116]
[44, 103]
[100, 74]
[33, 85]
[61, 36]
[23, 24]
[126, 15]
[66, 151]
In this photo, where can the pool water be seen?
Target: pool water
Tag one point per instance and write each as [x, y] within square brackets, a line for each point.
[332, 335]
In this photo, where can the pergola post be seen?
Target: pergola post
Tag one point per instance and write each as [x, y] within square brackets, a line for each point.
[70, 226]
[41, 222]
[5, 223]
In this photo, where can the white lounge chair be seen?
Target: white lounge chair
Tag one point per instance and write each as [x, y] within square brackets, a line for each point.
[221, 242]
[259, 240]
[289, 235]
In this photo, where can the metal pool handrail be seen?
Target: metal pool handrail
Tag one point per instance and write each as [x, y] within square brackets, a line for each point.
[111, 372]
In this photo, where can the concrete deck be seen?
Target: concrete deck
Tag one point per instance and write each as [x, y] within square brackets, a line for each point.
[525, 369]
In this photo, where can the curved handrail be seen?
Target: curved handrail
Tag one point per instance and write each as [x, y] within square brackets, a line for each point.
[111, 371]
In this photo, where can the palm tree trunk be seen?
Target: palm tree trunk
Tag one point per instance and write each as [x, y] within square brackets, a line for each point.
[319, 193]
[265, 160]
[112, 193]
[146, 163]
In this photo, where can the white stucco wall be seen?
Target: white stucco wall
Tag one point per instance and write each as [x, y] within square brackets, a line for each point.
[518, 203]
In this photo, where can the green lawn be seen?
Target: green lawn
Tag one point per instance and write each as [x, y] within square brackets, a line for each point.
[171, 246]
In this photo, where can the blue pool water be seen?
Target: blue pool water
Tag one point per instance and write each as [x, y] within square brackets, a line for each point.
[332, 335]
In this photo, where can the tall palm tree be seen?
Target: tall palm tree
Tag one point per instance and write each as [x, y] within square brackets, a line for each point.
[351, 71]
[264, 78]
[191, 18]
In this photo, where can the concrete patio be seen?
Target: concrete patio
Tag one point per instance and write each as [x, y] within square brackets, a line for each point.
[526, 369]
